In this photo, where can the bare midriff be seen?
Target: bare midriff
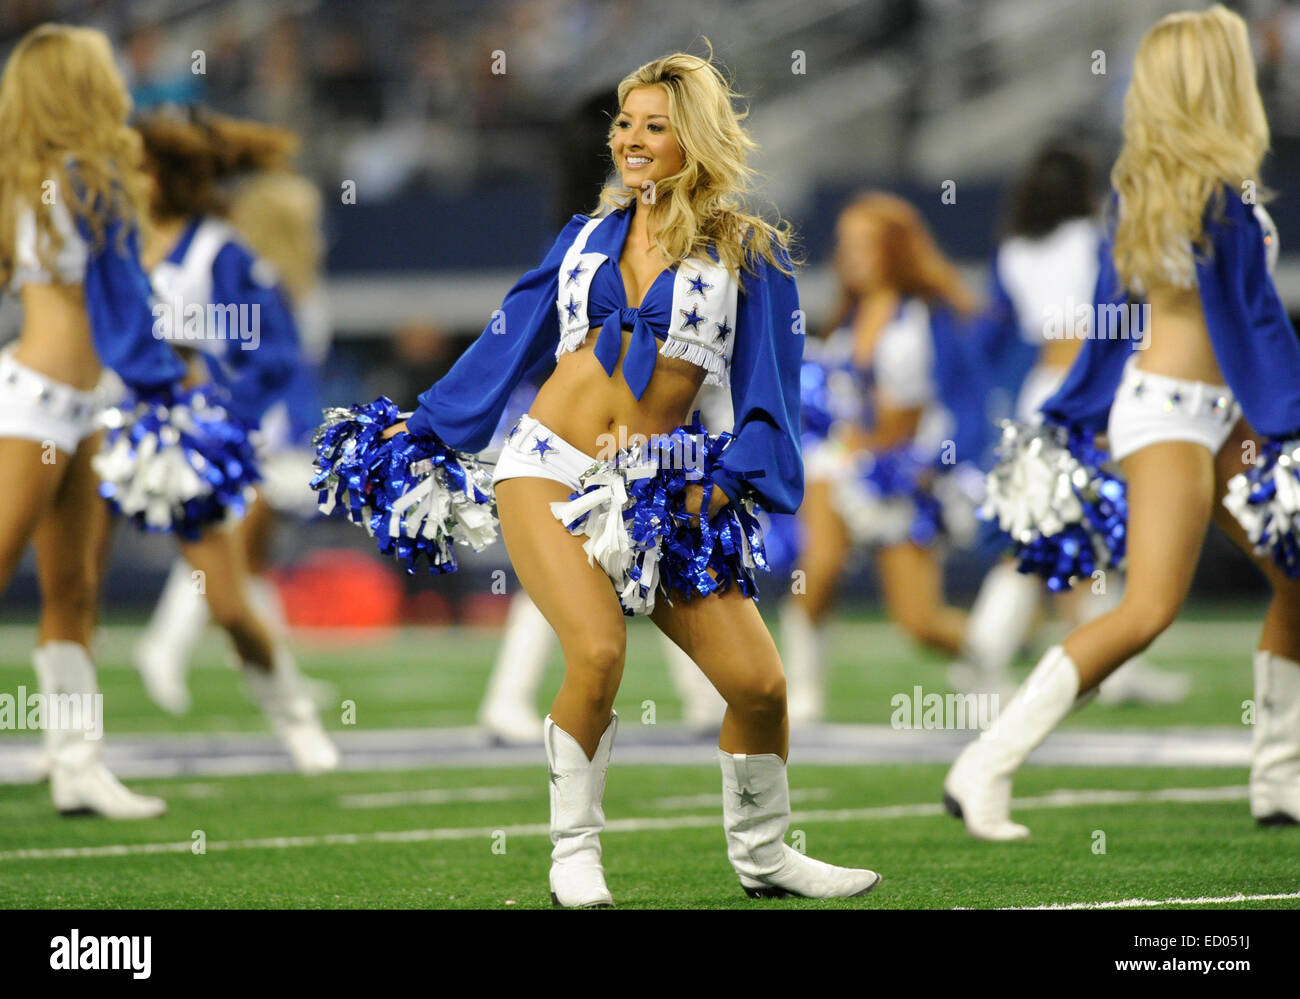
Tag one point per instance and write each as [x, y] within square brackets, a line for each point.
[55, 338]
[584, 405]
[1178, 341]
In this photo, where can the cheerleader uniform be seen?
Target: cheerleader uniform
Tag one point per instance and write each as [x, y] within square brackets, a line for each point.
[747, 343]
[1040, 290]
[750, 345]
[1259, 355]
[209, 269]
[35, 406]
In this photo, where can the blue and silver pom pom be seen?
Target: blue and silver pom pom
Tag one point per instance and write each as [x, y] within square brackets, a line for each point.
[413, 494]
[1266, 502]
[176, 461]
[1051, 493]
[632, 511]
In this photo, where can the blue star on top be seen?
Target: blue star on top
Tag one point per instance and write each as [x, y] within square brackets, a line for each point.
[572, 308]
[698, 285]
[691, 319]
[722, 328]
[573, 274]
[541, 446]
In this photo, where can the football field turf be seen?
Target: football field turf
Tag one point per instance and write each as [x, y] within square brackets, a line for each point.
[468, 828]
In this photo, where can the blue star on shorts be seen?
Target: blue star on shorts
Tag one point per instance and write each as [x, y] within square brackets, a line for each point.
[541, 446]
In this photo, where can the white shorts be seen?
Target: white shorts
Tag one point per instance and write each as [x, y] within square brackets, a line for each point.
[533, 449]
[36, 407]
[1149, 409]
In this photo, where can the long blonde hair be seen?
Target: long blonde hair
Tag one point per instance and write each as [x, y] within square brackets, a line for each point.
[1193, 122]
[703, 203]
[63, 114]
[279, 214]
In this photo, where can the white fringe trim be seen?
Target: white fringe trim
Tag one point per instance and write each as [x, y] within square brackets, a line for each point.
[699, 354]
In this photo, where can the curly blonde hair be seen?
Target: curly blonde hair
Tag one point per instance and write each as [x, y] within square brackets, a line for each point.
[703, 203]
[1193, 123]
[63, 122]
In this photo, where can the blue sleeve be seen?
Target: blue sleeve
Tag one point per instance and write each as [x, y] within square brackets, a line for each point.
[261, 360]
[995, 341]
[119, 306]
[1253, 339]
[463, 406]
[963, 384]
[1085, 396]
[765, 458]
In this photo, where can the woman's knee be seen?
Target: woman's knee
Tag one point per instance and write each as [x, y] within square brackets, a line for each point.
[595, 662]
[761, 694]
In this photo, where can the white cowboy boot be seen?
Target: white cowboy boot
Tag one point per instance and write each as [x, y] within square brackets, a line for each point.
[163, 653]
[1275, 750]
[80, 784]
[286, 700]
[577, 787]
[803, 653]
[508, 710]
[755, 816]
[1000, 622]
[978, 787]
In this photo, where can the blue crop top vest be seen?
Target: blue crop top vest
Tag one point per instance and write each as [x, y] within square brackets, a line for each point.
[1252, 337]
[251, 347]
[751, 342]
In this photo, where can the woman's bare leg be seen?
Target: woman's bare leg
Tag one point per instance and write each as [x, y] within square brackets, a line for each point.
[912, 580]
[30, 486]
[726, 637]
[576, 598]
[219, 555]
[1171, 490]
[67, 540]
[825, 550]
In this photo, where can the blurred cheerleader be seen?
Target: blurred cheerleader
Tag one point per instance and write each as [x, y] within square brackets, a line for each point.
[902, 406]
[70, 201]
[278, 215]
[662, 262]
[197, 260]
[1221, 366]
[1041, 284]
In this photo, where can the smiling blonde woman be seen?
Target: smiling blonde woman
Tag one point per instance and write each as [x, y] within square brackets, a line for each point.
[672, 286]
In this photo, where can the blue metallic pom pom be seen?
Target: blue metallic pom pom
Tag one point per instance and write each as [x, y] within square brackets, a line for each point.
[633, 511]
[1266, 502]
[176, 461]
[412, 493]
[1063, 511]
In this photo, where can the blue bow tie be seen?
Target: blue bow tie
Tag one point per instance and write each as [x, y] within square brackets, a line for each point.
[607, 308]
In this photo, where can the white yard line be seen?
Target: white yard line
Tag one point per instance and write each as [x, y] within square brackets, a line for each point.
[1149, 903]
[1057, 799]
[437, 796]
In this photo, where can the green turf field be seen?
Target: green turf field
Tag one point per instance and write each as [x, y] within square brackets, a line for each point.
[476, 836]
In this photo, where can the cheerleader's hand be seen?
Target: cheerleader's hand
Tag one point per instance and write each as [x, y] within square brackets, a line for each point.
[695, 496]
[394, 430]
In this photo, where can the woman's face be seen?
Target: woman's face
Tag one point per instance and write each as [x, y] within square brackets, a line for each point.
[858, 257]
[644, 145]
